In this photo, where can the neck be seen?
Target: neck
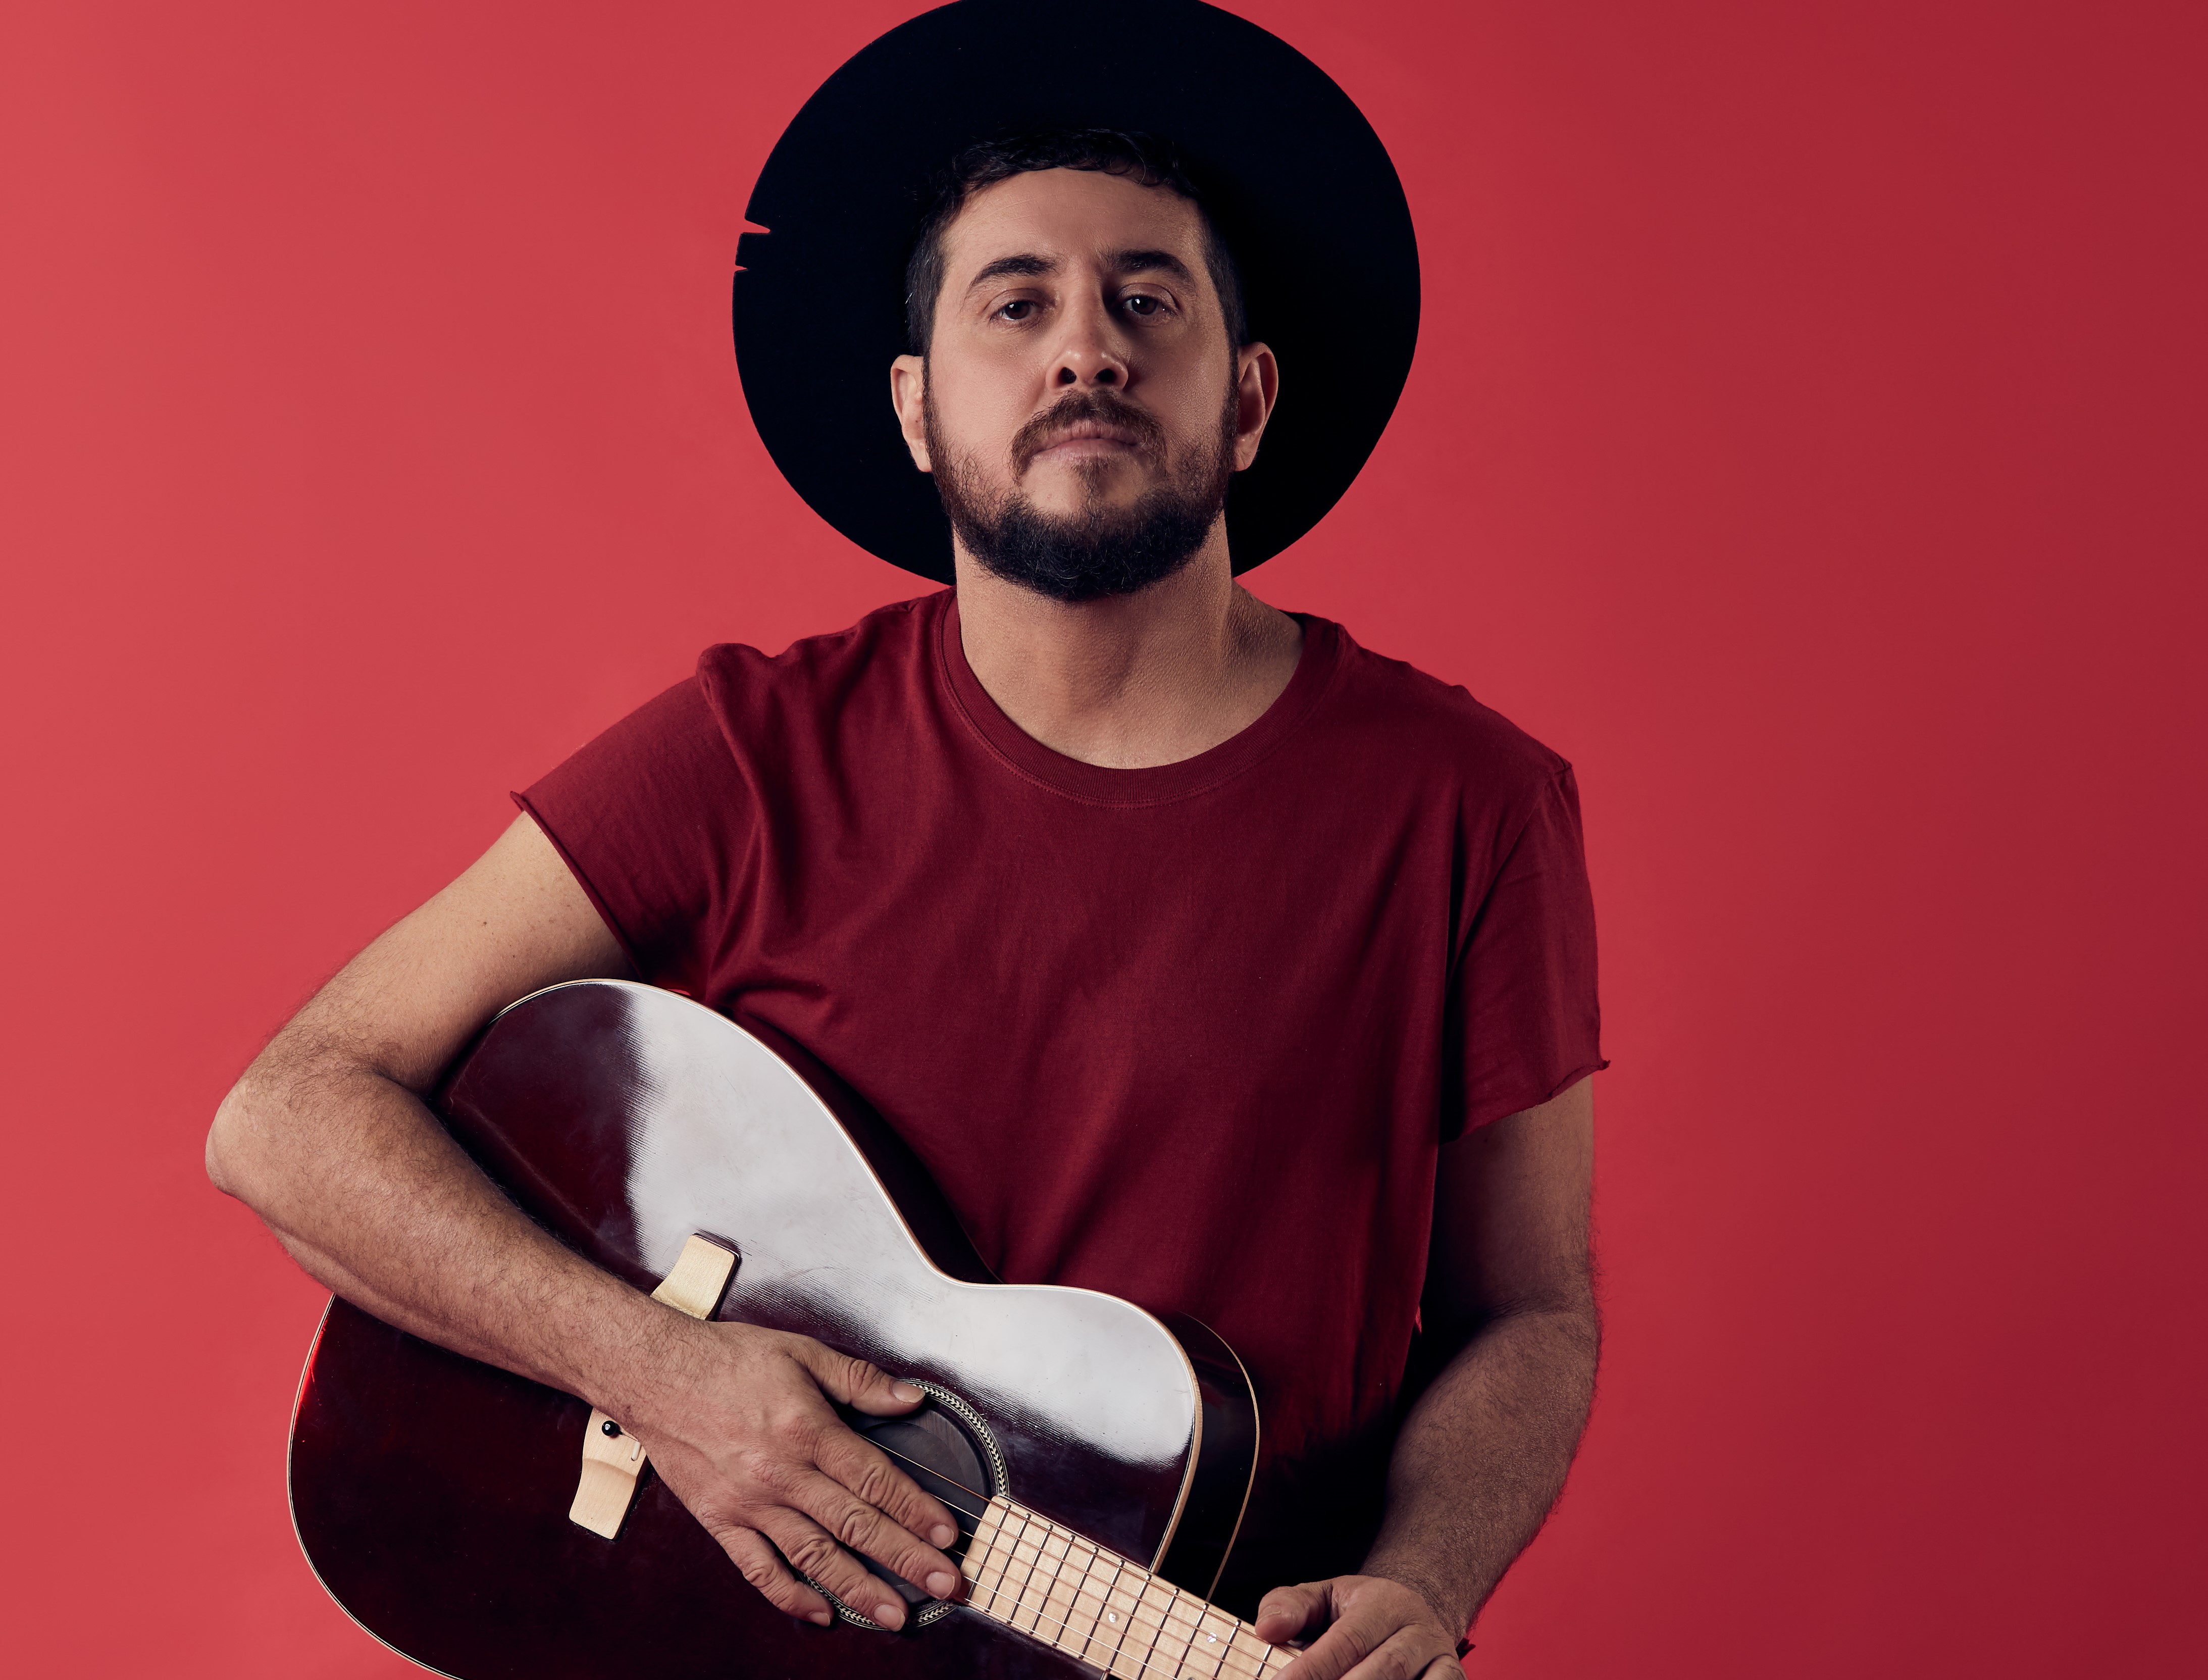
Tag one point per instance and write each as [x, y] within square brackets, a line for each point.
[1131, 681]
[1030, 1573]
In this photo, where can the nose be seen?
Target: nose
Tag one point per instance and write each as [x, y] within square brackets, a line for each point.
[1092, 351]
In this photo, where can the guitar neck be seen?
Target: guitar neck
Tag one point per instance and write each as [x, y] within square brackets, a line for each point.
[1044, 1579]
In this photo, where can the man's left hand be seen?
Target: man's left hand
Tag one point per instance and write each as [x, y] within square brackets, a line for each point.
[1360, 1628]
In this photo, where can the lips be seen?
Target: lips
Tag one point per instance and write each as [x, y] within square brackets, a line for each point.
[1089, 431]
[1089, 417]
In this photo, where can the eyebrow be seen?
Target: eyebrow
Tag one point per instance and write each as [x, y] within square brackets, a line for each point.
[1137, 262]
[1004, 265]
[1126, 262]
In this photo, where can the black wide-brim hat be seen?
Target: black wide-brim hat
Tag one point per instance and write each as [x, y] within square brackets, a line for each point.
[1290, 171]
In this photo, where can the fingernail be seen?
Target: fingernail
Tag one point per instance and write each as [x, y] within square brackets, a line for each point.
[905, 1391]
[890, 1615]
[819, 1618]
[943, 1533]
[942, 1583]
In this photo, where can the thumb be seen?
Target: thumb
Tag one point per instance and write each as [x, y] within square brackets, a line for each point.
[1286, 1612]
[854, 1383]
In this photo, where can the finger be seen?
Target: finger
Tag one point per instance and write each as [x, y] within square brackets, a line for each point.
[761, 1565]
[1410, 1654]
[858, 1527]
[1343, 1646]
[813, 1551]
[868, 1472]
[1286, 1612]
[855, 1381]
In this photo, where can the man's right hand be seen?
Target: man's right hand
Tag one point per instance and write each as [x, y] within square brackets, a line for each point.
[742, 1430]
[326, 1138]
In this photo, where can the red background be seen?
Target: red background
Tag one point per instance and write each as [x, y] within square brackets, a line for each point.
[1807, 438]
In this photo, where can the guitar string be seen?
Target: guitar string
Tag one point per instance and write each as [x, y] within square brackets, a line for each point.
[1164, 1621]
[1176, 1667]
[1165, 1624]
[939, 1476]
[1176, 1606]
[1233, 1660]
[1178, 1603]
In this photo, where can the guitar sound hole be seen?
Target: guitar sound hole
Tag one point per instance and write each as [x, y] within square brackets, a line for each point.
[934, 1447]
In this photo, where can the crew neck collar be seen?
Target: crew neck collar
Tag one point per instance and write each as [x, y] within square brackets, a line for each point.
[1154, 783]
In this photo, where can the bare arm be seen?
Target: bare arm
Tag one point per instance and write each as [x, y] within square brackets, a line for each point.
[1482, 1457]
[325, 1137]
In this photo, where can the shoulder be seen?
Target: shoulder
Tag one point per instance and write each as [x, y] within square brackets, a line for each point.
[889, 647]
[1420, 723]
[898, 630]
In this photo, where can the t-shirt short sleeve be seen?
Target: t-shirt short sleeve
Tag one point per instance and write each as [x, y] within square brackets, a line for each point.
[642, 815]
[1524, 1022]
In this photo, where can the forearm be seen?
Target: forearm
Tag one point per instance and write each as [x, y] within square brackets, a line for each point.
[1483, 1456]
[367, 1191]
[328, 1139]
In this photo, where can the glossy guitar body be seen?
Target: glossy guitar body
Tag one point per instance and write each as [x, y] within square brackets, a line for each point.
[430, 1492]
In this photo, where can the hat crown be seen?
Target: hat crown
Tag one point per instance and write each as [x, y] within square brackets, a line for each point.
[1293, 175]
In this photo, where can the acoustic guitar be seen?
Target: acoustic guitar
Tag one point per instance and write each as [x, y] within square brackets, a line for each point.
[1097, 1457]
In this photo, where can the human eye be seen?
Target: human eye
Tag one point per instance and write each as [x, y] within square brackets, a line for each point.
[1145, 305]
[1014, 310]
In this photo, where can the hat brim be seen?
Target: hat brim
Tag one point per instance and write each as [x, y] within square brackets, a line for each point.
[1292, 173]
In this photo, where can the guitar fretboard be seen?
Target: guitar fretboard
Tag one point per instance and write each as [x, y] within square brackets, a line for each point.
[1030, 1573]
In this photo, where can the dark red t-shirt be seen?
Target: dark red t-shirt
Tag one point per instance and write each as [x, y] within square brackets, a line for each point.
[1190, 1036]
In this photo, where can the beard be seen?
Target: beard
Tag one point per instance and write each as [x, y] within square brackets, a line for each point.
[1100, 550]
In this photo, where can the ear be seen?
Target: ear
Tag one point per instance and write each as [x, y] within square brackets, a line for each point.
[909, 396]
[1257, 389]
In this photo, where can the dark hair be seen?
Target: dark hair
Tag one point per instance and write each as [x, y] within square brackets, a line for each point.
[1145, 159]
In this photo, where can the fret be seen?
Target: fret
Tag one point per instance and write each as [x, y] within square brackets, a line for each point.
[1084, 1608]
[1028, 1613]
[1020, 1561]
[1049, 1582]
[1130, 1642]
[1013, 1563]
[1201, 1649]
[1169, 1645]
[983, 1565]
[1145, 1622]
[1056, 1603]
[977, 1555]
[1215, 1638]
[1114, 1598]
[1252, 1653]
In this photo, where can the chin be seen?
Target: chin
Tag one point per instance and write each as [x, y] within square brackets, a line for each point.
[1073, 489]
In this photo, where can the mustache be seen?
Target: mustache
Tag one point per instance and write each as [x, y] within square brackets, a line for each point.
[1102, 408]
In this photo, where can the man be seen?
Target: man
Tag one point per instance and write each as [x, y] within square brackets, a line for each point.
[1203, 957]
